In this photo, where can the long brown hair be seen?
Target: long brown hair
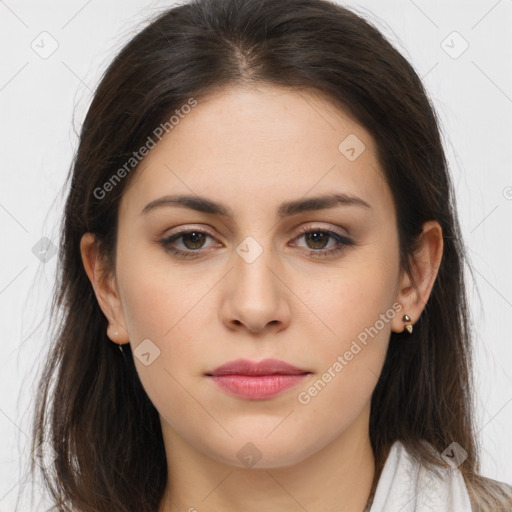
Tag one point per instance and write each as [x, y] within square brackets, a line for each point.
[91, 407]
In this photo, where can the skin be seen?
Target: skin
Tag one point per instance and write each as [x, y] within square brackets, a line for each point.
[251, 149]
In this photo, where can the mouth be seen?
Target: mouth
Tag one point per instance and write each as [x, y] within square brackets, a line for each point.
[256, 380]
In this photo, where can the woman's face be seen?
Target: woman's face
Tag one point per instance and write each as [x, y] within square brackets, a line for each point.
[250, 285]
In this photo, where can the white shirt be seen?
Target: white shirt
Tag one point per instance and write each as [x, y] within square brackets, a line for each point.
[405, 485]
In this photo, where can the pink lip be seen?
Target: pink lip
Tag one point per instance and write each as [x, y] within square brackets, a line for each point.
[257, 380]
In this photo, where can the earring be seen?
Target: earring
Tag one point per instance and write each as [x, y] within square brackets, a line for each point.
[116, 333]
[407, 318]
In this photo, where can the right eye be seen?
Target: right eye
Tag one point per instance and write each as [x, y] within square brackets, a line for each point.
[192, 239]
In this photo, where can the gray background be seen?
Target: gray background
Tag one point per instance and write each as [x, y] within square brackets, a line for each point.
[44, 96]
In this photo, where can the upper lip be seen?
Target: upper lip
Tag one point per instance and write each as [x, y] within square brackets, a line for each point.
[264, 367]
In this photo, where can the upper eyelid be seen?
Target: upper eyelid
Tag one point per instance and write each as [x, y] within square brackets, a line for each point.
[300, 230]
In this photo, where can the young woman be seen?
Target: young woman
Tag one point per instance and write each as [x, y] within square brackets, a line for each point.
[261, 284]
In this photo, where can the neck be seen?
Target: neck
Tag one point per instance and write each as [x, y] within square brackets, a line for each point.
[338, 477]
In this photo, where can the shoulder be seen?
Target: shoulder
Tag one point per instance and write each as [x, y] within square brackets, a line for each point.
[407, 482]
[485, 494]
[488, 495]
[476, 492]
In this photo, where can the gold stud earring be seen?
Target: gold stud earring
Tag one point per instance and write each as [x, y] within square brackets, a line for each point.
[116, 333]
[407, 318]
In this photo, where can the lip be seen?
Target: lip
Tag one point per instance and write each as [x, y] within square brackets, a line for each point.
[257, 380]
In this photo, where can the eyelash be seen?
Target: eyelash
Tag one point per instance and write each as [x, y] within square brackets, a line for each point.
[342, 242]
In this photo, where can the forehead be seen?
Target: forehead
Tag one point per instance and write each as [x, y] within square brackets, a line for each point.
[253, 147]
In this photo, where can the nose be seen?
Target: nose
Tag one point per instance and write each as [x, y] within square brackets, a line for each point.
[255, 296]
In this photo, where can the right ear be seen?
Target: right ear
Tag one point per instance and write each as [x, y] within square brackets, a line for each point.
[105, 288]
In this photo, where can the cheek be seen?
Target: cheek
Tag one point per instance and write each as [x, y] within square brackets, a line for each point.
[354, 297]
[157, 297]
[351, 358]
[165, 318]
[355, 307]
[166, 314]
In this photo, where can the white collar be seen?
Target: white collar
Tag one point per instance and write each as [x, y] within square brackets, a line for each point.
[405, 485]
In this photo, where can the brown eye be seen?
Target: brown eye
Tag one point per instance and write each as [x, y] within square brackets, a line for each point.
[192, 241]
[196, 239]
[318, 239]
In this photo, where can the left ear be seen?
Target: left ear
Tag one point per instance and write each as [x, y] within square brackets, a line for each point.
[413, 294]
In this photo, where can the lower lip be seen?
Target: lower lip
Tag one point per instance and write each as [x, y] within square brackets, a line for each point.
[256, 387]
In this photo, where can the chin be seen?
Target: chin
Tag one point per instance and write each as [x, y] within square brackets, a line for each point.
[261, 452]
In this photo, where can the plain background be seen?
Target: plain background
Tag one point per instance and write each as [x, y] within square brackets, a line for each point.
[43, 99]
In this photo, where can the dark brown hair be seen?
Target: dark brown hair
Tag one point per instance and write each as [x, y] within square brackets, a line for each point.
[91, 407]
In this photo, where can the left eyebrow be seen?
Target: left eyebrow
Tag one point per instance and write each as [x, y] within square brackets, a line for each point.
[287, 208]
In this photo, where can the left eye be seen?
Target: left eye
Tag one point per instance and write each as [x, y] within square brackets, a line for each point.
[319, 236]
[193, 241]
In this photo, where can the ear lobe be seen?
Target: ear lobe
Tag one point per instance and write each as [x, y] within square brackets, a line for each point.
[102, 280]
